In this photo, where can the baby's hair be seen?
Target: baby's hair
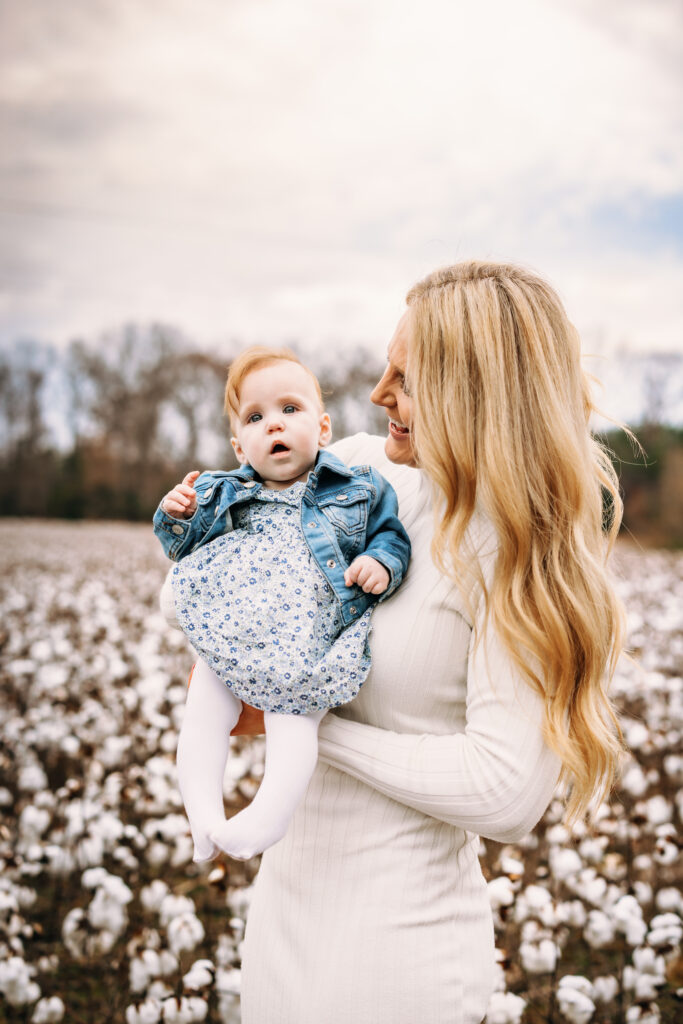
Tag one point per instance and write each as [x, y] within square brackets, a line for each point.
[255, 358]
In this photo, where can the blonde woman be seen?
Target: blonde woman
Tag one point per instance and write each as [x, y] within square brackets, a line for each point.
[489, 672]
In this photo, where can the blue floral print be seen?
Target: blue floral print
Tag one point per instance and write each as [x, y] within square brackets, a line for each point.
[257, 608]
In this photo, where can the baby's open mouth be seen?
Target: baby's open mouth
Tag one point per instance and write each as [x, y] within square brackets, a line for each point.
[278, 447]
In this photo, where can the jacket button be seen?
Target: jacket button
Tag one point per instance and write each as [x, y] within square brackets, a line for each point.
[250, 483]
[177, 529]
[342, 497]
[215, 511]
[311, 526]
[331, 563]
[353, 609]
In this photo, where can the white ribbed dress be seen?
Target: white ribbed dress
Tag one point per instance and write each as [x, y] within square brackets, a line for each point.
[373, 908]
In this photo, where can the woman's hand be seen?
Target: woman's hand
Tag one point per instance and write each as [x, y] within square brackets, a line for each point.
[250, 722]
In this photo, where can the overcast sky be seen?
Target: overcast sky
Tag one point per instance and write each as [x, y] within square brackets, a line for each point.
[273, 170]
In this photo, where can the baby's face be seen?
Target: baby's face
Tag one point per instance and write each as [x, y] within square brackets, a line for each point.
[281, 426]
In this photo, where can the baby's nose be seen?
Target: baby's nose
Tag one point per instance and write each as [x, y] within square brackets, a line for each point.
[274, 423]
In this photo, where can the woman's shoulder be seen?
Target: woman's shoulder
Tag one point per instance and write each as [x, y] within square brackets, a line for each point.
[368, 450]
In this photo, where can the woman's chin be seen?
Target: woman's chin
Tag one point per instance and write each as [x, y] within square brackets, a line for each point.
[400, 451]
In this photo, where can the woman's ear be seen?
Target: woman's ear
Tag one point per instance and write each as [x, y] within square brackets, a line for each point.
[325, 430]
[237, 448]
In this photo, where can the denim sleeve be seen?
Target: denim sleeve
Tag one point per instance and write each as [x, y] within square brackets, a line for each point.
[387, 541]
[177, 536]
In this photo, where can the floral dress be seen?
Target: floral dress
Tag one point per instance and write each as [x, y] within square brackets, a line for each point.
[258, 610]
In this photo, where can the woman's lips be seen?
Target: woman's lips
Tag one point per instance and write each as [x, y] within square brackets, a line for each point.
[398, 431]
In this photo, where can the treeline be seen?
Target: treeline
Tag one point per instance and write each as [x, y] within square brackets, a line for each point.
[103, 429]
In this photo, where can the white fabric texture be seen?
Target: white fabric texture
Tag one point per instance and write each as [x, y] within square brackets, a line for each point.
[373, 908]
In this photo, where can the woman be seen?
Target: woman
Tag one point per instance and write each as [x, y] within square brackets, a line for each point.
[488, 676]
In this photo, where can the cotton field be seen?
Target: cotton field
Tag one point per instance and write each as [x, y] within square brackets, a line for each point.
[103, 916]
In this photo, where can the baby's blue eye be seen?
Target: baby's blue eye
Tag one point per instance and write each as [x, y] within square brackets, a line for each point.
[289, 408]
[254, 418]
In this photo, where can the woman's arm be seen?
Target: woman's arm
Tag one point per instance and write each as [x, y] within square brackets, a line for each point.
[496, 778]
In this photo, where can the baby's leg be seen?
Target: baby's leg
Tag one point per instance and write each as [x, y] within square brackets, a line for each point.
[211, 712]
[291, 756]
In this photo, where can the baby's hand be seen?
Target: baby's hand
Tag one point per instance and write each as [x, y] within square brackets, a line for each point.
[368, 573]
[181, 502]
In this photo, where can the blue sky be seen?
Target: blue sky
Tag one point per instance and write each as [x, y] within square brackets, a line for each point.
[272, 171]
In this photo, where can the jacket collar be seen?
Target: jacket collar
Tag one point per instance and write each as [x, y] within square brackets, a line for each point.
[329, 463]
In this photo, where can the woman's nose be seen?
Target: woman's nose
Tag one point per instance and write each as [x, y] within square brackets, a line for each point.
[380, 393]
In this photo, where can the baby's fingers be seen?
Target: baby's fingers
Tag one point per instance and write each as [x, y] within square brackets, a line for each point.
[351, 574]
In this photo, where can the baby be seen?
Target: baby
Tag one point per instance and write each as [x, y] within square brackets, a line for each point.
[280, 564]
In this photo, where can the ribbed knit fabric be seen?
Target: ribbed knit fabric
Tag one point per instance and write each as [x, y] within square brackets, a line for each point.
[373, 908]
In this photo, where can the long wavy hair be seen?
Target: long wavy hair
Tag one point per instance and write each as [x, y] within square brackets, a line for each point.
[501, 421]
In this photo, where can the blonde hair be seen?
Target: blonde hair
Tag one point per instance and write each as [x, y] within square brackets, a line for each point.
[501, 419]
[255, 358]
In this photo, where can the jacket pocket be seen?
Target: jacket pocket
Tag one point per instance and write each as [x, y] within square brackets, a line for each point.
[347, 509]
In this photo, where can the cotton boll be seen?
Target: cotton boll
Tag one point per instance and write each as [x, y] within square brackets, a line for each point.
[49, 1010]
[558, 835]
[123, 856]
[183, 1011]
[505, 1008]
[572, 913]
[173, 906]
[200, 975]
[643, 1015]
[74, 933]
[657, 810]
[184, 932]
[665, 852]
[157, 853]
[645, 987]
[665, 930]
[501, 892]
[90, 851]
[148, 1012]
[152, 895]
[534, 901]
[599, 930]
[605, 988]
[634, 782]
[539, 958]
[575, 1006]
[669, 899]
[32, 778]
[592, 848]
[16, 982]
[564, 862]
[228, 981]
[33, 822]
[642, 892]
[183, 851]
[673, 766]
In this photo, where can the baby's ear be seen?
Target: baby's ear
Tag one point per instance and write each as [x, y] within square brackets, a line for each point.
[237, 448]
[325, 430]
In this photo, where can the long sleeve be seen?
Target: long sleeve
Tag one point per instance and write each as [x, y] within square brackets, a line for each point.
[496, 778]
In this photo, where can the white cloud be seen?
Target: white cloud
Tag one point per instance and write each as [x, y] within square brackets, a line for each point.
[269, 170]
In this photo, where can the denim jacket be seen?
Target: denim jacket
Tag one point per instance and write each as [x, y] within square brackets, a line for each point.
[345, 512]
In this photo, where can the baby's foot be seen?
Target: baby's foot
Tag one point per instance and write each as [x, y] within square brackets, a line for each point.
[248, 833]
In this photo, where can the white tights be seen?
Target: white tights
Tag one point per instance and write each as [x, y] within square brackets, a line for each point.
[211, 713]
